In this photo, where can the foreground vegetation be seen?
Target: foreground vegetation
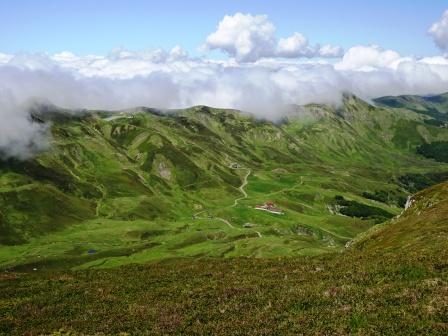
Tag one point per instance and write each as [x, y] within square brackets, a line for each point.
[402, 294]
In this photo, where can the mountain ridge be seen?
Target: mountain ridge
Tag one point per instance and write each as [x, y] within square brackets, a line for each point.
[145, 175]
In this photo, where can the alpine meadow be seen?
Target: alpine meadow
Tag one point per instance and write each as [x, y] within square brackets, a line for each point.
[260, 183]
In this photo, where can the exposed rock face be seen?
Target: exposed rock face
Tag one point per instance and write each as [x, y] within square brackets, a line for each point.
[164, 171]
[408, 203]
[162, 167]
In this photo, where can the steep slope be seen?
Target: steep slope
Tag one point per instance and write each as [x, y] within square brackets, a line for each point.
[144, 185]
[422, 228]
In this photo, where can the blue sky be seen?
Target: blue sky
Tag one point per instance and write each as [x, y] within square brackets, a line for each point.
[116, 54]
[86, 27]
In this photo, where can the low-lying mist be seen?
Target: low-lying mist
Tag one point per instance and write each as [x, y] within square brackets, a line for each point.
[173, 80]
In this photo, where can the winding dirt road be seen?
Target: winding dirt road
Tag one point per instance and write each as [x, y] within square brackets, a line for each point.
[235, 203]
[241, 188]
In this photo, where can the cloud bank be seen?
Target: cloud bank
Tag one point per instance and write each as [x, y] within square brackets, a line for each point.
[263, 75]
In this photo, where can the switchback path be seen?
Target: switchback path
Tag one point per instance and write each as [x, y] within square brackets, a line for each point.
[241, 188]
[235, 203]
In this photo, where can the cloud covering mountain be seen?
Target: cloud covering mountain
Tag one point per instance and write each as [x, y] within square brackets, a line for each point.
[263, 74]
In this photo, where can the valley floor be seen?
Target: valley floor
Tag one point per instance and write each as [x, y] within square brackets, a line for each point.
[231, 227]
[391, 281]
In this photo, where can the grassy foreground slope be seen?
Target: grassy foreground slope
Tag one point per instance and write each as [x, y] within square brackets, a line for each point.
[422, 228]
[141, 185]
[393, 281]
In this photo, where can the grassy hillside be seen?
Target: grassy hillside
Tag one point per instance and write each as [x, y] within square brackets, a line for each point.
[422, 227]
[392, 281]
[141, 185]
[435, 107]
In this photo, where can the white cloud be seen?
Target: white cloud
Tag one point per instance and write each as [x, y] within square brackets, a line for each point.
[19, 137]
[244, 36]
[249, 38]
[4, 58]
[157, 78]
[439, 31]
[178, 53]
[435, 60]
[172, 79]
[365, 58]
[331, 51]
[297, 44]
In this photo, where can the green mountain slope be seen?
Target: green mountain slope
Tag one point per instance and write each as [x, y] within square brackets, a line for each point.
[393, 281]
[143, 185]
[436, 106]
[422, 227]
[435, 109]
